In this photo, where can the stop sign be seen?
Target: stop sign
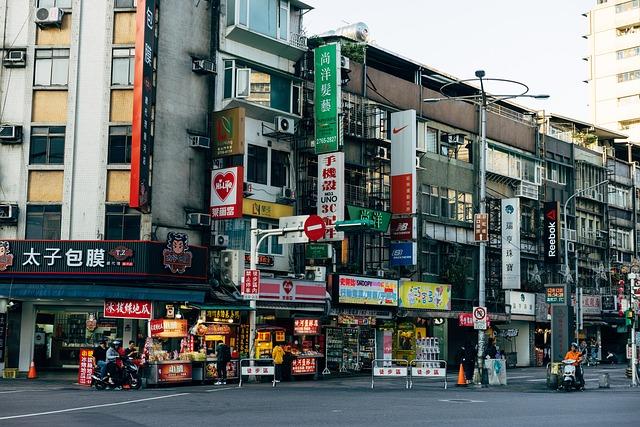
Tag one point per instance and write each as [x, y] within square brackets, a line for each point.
[314, 227]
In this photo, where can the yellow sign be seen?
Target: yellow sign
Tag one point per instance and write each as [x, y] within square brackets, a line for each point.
[434, 296]
[228, 132]
[265, 209]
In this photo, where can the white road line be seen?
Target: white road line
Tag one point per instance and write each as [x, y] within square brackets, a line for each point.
[82, 408]
[13, 391]
[220, 389]
[537, 380]
[520, 377]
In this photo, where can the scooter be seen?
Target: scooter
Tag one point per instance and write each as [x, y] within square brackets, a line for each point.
[128, 377]
[569, 381]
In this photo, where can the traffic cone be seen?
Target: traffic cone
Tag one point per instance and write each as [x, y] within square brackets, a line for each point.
[32, 371]
[462, 381]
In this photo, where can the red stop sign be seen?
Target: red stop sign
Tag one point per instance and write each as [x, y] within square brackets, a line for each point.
[314, 227]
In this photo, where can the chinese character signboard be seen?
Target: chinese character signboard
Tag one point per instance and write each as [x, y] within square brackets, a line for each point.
[306, 326]
[127, 309]
[168, 328]
[251, 284]
[551, 232]
[521, 302]
[144, 98]
[327, 98]
[555, 294]
[262, 209]
[85, 366]
[331, 192]
[403, 162]
[466, 320]
[228, 132]
[3, 334]
[591, 304]
[380, 218]
[266, 260]
[174, 259]
[173, 372]
[481, 227]
[227, 193]
[510, 243]
[367, 290]
[432, 296]
[402, 254]
[304, 365]
[292, 290]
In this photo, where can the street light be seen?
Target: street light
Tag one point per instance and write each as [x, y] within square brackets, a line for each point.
[483, 100]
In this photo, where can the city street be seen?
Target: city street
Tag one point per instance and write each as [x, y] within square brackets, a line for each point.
[346, 401]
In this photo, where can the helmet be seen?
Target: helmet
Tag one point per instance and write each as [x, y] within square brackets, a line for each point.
[574, 344]
[117, 343]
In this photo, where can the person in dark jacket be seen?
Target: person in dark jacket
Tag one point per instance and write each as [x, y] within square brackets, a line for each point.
[491, 349]
[469, 361]
[223, 356]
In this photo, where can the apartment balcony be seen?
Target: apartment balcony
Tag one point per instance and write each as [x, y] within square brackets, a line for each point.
[291, 49]
[592, 238]
[527, 190]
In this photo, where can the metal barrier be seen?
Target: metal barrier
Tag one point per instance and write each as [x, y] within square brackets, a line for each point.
[428, 369]
[390, 371]
[261, 369]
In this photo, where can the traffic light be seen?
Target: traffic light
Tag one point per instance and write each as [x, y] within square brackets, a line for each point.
[628, 317]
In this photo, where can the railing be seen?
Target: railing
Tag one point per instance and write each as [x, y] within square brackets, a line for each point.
[355, 195]
[298, 40]
[526, 119]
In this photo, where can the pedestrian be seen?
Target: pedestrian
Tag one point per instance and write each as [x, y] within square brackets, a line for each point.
[491, 350]
[100, 357]
[470, 361]
[278, 357]
[223, 357]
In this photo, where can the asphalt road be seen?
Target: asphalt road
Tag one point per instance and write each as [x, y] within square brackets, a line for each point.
[347, 401]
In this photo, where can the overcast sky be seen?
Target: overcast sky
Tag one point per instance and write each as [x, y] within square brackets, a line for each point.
[536, 42]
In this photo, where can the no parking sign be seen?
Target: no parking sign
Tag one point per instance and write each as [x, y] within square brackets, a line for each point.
[480, 318]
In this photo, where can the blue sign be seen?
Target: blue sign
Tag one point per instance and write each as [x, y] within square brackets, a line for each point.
[401, 254]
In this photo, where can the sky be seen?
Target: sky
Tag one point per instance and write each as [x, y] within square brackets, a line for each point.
[538, 43]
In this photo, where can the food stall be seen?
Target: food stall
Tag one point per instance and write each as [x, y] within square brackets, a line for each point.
[268, 337]
[306, 346]
[168, 340]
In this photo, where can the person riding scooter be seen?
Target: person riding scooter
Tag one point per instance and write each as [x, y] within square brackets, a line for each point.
[575, 354]
[113, 357]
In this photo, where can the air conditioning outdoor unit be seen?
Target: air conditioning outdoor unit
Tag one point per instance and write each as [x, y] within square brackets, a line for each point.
[49, 16]
[284, 124]
[382, 153]
[197, 141]
[315, 273]
[203, 66]
[571, 246]
[10, 134]
[219, 240]
[199, 220]
[232, 266]
[418, 165]
[344, 62]
[15, 59]
[287, 193]
[8, 213]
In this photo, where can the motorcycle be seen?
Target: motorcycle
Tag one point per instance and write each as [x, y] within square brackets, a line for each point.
[127, 377]
[569, 380]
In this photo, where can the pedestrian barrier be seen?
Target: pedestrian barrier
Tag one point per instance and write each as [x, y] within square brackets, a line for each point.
[390, 368]
[428, 369]
[264, 367]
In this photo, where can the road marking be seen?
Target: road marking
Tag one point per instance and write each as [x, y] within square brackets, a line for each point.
[537, 380]
[521, 377]
[13, 391]
[82, 408]
[220, 389]
[461, 401]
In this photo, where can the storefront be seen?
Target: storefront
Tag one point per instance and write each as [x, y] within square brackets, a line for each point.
[542, 333]
[592, 323]
[67, 295]
[517, 338]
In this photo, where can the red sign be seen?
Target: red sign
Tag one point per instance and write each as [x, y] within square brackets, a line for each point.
[466, 320]
[306, 326]
[128, 309]
[168, 328]
[402, 194]
[174, 372]
[251, 284]
[227, 192]
[314, 227]
[292, 290]
[85, 366]
[401, 228]
[481, 227]
[304, 365]
[266, 260]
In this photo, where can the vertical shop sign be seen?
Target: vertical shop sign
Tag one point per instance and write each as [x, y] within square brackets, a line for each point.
[510, 243]
[144, 98]
[85, 366]
[551, 232]
[251, 284]
[481, 227]
[228, 132]
[403, 162]
[227, 193]
[402, 254]
[331, 193]
[327, 97]
[3, 334]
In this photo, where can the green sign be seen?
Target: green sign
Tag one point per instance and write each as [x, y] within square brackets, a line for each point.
[317, 251]
[380, 219]
[327, 97]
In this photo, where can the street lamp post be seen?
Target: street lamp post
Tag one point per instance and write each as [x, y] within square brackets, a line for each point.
[483, 100]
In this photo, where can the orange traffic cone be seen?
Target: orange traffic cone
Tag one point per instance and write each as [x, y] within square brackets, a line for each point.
[462, 381]
[32, 371]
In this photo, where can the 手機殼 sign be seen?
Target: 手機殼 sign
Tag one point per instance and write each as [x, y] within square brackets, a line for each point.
[331, 193]
[327, 93]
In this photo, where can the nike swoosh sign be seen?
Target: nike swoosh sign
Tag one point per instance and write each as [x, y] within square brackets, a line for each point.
[396, 130]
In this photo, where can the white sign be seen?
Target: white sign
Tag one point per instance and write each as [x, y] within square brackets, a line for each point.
[227, 193]
[510, 243]
[293, 236]
[258, 370]
[428, 372]
[331, 193]
[521, 302]
[591, 304]
[480, 318]
[390, 372]
[403, 162]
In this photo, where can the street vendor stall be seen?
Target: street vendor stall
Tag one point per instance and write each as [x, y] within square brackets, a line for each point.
[168, 340]
[306, 347]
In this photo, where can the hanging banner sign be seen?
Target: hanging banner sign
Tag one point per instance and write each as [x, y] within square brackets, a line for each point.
[227, 193]
[367, 290]
[127, 309]
[402, 254]
[228, 132]
[380, 219]
[551, 232]
[403, 229]
[331, 193]
[85, 366]
[327, 93]
[168, 328]
[434, 296]
[510, 243]
[403, 162]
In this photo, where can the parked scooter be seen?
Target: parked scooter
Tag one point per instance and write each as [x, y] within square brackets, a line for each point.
[127, 377]
[569, 380]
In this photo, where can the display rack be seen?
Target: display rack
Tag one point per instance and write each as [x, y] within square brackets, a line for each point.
[428, 350]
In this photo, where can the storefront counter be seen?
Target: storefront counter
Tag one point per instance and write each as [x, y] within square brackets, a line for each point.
[170, 372]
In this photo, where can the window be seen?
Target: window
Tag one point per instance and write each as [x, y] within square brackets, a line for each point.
[51, 67]
[119, 145]
[619, 196]
[632, 29]
[626, 6]
[628, 53]
[43, 222]
[283, 20]
[430, 202]
[65, 4]
[257, 164]
[122, 66]
[429, 258]
[629, 100]
[47, 145]
[128, 4]
[629, 124]
[279, 168]
[239, 232]
[121, 223]
[628, 76]
[452, 204]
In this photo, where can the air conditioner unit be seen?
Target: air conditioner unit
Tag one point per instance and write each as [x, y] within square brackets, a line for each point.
[344, 62]
[203, 66]
[15, 59]
[570, 234]
[197, 141]
[232, 266]
[8, 213]
[418, 165]
[199, 220]
[528, 190]
[10, 134]
[219, 240]
[315, 273]
[49, 16]
[571, 246]
[452, 138]
[284, 124]
[287, 193]
[382, 153]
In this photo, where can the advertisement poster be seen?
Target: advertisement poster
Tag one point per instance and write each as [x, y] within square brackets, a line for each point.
[551, 232]
[331, 193]
[403, 162]
[127, 309]
[227, 192]
[367, 290]
[510, 243]
[306, 326]
[303, 366]
[174, 372]
[327, 94]
[228, 132]
[85, 366]
[433, 296]
[402, 253]
[211, 371]
[169, 328]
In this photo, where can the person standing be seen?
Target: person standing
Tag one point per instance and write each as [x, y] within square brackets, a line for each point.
[278, 357]
[223, 356]
[100, 357]
[469, 361]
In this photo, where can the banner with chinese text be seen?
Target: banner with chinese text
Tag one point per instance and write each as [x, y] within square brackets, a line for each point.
[227, 193]
[331, 192]
[434, 296]
[327, 94]
[128, 309]
[510, 243]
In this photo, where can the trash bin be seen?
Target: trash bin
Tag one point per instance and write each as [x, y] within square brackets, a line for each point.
[604, 381]
[553, 374]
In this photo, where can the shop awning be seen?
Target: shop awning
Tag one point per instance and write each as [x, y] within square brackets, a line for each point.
[98, 291]
[273, 305]
[223, 307]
